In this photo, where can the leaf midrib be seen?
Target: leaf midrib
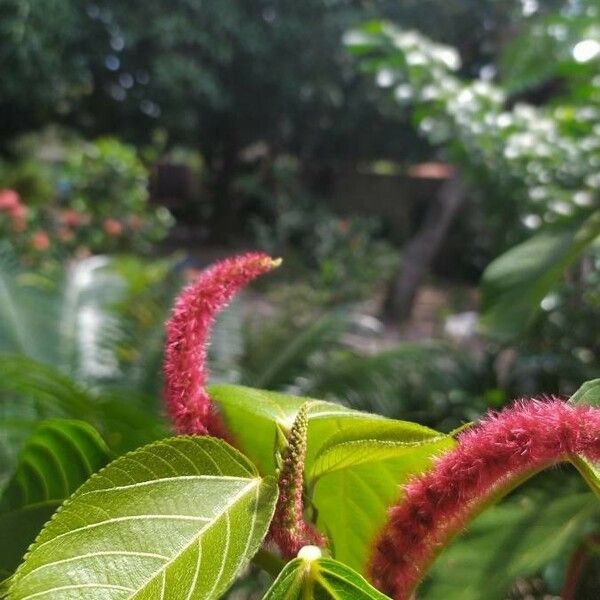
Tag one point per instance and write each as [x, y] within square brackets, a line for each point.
[253, 483]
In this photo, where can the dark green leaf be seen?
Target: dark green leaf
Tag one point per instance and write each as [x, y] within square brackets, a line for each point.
[515, 283]
[56, 460]
[513, 539]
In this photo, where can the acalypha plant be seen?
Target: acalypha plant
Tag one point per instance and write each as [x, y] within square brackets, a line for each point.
[330, 501]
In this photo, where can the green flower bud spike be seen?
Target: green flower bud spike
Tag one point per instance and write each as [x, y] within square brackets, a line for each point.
[289, 529]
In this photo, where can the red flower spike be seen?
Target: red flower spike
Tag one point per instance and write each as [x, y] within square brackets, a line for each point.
[289, 530]
[188, 329]
[504, 447]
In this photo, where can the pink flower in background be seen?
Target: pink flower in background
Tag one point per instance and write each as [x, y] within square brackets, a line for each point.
[18, 216]
[9, 200]
[186, 374]
[517, 442]
[71, 218]
[40, 240]
[113, 227]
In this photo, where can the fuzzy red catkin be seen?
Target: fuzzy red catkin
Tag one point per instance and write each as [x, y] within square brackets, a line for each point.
[186, 374]
[503, 447]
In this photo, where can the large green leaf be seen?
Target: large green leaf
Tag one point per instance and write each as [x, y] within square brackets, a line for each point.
[176, 519]
[56, 460]
[515, 283]
[355, 461]
[322, 578]
[255, 417]
[357, 476]
[514, 539]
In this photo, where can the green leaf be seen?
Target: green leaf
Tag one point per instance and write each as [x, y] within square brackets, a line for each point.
[588, 393]
[176, 519]
[123, 419]
[4, 588]
[514, 539]
[58, 457]
[51, 390]
[21, 527]
[589, 471]
[256, 416]
[322, 578]
[515, 283]
[355, 460]
[358, 476]
[367, 443]
[253, 416]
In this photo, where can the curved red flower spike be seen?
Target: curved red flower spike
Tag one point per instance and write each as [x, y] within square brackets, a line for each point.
[492, 456]
[188, 330]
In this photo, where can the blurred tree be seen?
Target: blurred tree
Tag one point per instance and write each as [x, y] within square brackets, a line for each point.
[553, 56]
[48, 55]
[537, 166]
[226, 76]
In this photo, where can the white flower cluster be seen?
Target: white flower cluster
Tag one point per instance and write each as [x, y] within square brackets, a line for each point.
[547, 158]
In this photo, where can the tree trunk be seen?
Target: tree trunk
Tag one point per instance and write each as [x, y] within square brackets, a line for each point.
[422, 249]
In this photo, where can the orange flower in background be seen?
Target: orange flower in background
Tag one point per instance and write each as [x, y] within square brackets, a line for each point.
[18, 212]
[113, 227]
[10, 202]
[40, 240]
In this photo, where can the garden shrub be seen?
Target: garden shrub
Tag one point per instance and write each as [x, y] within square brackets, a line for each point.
[91, 201]
[323, 497]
